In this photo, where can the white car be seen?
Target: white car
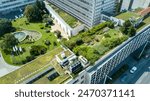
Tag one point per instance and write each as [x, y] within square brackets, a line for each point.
[133, 69]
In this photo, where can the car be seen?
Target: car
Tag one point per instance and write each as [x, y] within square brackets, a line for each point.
[133, 70]
[123, 77]
[147, 56]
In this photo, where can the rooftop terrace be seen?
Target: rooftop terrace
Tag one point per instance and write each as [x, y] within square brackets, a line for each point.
[128, 15]
[70, 20]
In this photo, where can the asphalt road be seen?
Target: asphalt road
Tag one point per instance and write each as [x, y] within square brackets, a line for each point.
[141, 76]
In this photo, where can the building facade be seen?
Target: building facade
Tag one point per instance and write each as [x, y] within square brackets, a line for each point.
[134, 4]
[87, 11]
[10, 5]
[97, 73]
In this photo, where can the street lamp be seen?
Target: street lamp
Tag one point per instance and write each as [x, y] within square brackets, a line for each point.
[147, 41]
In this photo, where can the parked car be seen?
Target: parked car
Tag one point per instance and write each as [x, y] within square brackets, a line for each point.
[147, 56]
[133, 70]
[123, 77]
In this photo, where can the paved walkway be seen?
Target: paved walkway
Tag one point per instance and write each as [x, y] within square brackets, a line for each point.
[6, 68]
[56, 26]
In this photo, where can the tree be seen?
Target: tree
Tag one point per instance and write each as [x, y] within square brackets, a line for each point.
[110, 24]
[5, 26]
[128, 29]
[47, 43]
[127, 24]
[131, 31]
[33, 14]
[40, 5]
[9, 41]
[38, 50]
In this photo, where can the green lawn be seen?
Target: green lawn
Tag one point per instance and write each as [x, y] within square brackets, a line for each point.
[70, 20]
[29, 68]
[127, 15]
[20, 25]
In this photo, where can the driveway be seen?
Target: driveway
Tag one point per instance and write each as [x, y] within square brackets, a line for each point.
[6, 68]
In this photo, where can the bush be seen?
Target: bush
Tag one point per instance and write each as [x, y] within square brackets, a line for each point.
[38, 50]
[54, 43]
[90, 53]
[70, 44]
[110, 24]
[41, 26]
[128, 29]
[47, 31]
[79, 41]
[47, 42]
[30, 58]
[107, 35]
[58, 33]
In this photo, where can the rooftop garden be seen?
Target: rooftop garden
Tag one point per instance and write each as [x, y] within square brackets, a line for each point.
[70, 20]
[96, 42]
[34, 67]
[45, 39]
[127, 15]
[30, 36]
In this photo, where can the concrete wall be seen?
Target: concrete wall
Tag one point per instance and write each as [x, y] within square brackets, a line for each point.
[80, 79]
[67, 29]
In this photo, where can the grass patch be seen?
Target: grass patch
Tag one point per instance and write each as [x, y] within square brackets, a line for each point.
[29, 68]
[126, 15]
[69, 19]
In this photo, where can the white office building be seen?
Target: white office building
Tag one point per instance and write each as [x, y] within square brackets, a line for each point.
[10, 5]
[134, 4]
[87, 11]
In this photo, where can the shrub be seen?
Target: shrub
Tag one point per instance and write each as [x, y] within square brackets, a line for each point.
[38, 50]
[79, 41]
[90, 53]
[47, 31]
[47, 42]
[110, 24]
[107, 35]
[30, 58]
[58, 33]
[55, 43]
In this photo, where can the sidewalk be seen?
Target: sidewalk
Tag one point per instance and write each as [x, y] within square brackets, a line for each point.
[6, 68]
